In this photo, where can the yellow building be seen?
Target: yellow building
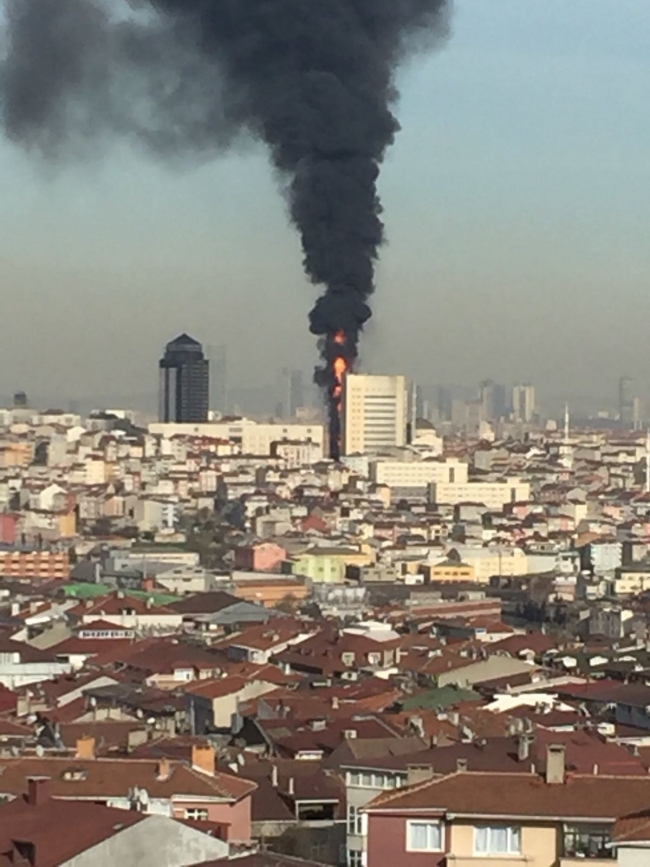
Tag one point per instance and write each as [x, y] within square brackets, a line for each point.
[452, 570]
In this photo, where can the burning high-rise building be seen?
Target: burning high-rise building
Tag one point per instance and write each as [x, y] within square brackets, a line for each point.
[313, 79]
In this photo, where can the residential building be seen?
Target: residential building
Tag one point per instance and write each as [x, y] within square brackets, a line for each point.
[417, 474]
[494, 495]
[35, 829]
[466, 818]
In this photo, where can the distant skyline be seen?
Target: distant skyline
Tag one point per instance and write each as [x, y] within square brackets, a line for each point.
[517, 201]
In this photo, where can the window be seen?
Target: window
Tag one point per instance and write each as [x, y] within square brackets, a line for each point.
[497, 840]
[354, 778]
[355, 858]
[424, 837]
[197, 814]
[584, 841]
[355, 825]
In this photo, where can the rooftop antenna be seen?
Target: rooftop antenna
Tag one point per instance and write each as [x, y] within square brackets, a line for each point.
[647, 461]
[566, 424]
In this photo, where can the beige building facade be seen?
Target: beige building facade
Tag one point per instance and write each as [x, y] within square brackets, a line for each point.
[374, 413]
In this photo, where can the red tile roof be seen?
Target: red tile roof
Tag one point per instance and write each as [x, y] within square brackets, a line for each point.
[44, 827]
[108, 778]
[600, 798]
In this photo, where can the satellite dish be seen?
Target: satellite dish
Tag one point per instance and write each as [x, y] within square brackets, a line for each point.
[40, 752]
[241, 759]
[144, 797]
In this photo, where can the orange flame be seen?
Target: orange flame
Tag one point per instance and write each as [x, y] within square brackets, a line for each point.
[339, 366]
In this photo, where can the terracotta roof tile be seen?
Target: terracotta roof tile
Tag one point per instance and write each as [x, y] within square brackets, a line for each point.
[522, 795]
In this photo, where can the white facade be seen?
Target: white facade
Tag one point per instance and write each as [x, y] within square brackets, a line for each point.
[374, 413]
[252, 437]
[494, 495]
[417, 474]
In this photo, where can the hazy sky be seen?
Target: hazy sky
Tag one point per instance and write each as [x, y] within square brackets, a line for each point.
[517, 203]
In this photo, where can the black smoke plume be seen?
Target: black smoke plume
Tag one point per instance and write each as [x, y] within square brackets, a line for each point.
[313, 79]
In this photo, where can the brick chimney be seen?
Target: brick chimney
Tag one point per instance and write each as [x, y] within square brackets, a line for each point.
[418, 774]
[38, 791]
[555, 764]
[203, 757]
[163, 769]
[85, 748]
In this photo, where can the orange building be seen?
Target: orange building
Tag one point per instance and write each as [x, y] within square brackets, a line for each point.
[46, 565]
[269, 592]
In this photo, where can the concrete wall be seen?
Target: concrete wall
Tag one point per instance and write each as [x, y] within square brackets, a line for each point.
[238, 816]
[387, 844]
[154, 842]
[633, 856]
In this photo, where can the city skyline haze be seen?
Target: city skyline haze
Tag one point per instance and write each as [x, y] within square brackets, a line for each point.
[516, 205]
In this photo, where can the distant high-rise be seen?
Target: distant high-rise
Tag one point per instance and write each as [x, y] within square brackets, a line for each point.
[296, 392]
[492, 397]
[523, 402]
[20, 400]
[184, 382]
[374, 413]
[218, 357]
[626, 400]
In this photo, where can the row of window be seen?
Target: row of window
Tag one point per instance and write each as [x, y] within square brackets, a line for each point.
[367, 780]
[488, 839]
[579, 841]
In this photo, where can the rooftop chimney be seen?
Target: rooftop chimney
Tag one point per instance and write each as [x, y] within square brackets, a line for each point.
[555, 764]
[418, 774]
[523, 748]
[85, 748]
[203, 757]
[38, 790]
[163, 769]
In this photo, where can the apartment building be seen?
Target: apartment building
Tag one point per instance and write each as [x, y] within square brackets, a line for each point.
[507, 820]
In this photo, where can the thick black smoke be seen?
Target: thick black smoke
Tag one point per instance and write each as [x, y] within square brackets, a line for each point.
[314, 79]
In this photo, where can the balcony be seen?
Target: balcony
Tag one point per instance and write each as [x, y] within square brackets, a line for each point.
[491, 860]
[575, 860]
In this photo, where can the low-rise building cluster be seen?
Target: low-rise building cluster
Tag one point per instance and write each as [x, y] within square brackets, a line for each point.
[217, 644]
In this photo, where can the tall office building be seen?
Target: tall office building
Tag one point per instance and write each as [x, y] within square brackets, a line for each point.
[492, 397]
[184, 382]
[523, 402]
[374, 412]
[218, 358]
[295, 392]
[626, 401]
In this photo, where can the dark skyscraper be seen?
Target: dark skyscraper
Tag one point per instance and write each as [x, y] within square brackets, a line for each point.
[184, 382]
